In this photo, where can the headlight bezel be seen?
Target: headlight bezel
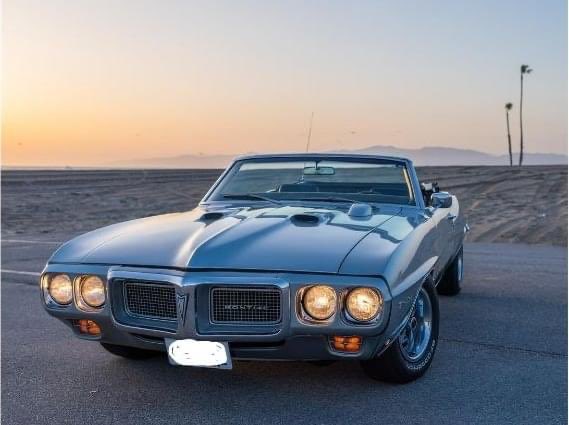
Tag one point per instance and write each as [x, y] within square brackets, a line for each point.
[77, 299]
[306, 314]
[351, 317]
[341, 311]
[83, 282]
[80, 300]
[49, 298]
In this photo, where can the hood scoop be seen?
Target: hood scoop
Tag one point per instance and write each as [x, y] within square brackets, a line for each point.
[305, 219]
[361, 211]
[212, 216]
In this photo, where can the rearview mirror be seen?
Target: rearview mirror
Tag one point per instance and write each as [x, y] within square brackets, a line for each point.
[441, 200]
[319, 171]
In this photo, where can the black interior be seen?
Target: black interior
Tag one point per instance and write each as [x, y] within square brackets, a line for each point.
[386, 189]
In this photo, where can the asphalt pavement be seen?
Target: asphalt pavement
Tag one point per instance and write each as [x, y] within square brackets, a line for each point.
[502, 358]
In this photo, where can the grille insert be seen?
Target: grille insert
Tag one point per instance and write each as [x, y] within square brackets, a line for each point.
[245, 305]
[150, 300]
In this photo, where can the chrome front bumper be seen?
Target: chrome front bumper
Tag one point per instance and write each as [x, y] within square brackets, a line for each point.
[291, 338]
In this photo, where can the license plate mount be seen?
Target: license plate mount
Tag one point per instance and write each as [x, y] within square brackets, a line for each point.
[191, 352]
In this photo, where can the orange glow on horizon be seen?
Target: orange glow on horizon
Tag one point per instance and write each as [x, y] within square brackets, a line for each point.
[89, 84]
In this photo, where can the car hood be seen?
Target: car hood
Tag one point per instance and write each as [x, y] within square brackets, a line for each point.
[276, 238]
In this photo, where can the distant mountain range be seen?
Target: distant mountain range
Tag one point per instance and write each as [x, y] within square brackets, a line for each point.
[422, 156]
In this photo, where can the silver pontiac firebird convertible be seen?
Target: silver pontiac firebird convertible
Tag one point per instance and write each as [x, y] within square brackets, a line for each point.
[315, 257]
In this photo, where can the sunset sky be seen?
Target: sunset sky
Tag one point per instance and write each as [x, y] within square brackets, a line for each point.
[92, 82]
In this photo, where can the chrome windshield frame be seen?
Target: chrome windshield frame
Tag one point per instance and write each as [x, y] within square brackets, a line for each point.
[410, 170]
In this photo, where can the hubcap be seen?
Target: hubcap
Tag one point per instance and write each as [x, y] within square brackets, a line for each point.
[415, 337]
[459, 267]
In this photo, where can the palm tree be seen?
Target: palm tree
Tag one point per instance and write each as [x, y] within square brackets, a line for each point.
[524, 69]
[508, 109]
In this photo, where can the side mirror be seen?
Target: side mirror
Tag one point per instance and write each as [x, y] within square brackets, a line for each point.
[441, 200]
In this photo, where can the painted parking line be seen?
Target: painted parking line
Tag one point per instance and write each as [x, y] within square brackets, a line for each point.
[30, 241]
[20, 272]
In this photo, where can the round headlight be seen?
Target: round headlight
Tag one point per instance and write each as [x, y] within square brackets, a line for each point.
[60, 288]
[364, 304]
[319, 302]
[93, 291]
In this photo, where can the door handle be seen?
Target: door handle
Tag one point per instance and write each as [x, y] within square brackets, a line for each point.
[451, 217]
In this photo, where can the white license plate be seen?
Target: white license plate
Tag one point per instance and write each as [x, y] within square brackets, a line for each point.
[189, 352]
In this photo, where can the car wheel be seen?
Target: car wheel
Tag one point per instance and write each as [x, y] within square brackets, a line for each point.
[129, 352]
[411, 354]
[451, 283]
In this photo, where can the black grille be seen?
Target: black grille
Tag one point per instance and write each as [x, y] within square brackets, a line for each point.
[150, 300]
[234, 305]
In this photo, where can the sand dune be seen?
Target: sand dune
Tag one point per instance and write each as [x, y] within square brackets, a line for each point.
[502, 204]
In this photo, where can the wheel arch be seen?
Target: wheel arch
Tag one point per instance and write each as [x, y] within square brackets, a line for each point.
[403, 301]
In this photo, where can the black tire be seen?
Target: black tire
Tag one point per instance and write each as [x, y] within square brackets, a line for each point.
[393, 365]
[451, 283]
[129, 352]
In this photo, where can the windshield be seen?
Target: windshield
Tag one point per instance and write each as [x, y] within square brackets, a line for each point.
[338, 180]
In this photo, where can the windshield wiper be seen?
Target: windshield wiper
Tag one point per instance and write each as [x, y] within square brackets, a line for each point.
[250, 196]
[331, 199]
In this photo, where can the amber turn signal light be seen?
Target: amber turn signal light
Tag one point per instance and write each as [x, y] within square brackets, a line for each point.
[348, 344]
[89, 327]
